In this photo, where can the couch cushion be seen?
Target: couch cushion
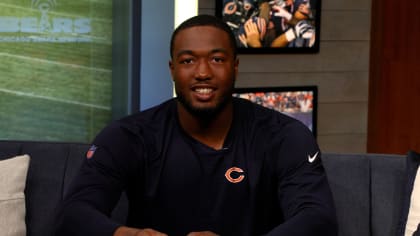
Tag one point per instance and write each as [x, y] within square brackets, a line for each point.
[410, 219]
[348, 176]
[13, 173]
[52, 168]
[387, 185]
[45, 184]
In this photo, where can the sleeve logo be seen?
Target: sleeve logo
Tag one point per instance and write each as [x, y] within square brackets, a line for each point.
[312, 158]
[91, 151]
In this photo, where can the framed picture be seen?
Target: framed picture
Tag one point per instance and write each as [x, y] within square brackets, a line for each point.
[273, 26]
[299, 102]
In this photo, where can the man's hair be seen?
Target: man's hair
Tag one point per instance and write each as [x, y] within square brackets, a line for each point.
[204, 20]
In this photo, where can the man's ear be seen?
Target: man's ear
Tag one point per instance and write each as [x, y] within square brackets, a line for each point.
[171, 65]
[171, 68]
[236, 67]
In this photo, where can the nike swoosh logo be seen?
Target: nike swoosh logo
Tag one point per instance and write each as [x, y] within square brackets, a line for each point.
[312, 158]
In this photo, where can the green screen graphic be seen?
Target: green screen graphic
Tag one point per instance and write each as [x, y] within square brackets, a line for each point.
[55, 69]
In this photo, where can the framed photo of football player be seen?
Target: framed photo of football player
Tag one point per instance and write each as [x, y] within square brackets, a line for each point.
[299, 102]
[273, 26]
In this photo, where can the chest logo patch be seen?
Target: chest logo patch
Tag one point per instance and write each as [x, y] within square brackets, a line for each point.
[235, 175]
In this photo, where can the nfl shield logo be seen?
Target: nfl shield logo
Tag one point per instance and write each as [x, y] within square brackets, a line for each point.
[91, 151]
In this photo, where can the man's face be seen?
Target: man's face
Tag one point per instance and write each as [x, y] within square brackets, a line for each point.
[203, 69]
[303, 11]
[305, 8]
[289, 2]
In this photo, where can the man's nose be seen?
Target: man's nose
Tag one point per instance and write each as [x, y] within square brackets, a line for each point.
[203, 70]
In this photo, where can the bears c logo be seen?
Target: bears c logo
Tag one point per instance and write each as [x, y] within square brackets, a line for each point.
[234, 175]
[230, 8]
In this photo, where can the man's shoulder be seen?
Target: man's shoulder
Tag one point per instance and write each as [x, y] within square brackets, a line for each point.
[156, 114]
[144, 122]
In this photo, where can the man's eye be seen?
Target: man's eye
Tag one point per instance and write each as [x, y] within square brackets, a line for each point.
[187, 61]
[218, 59]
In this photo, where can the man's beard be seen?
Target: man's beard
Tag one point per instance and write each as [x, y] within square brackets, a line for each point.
[205, 112]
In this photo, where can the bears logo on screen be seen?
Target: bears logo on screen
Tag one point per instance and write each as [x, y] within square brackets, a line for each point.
[44, 6]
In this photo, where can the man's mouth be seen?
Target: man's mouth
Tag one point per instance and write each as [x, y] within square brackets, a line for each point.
[203, 90]
[203, 94]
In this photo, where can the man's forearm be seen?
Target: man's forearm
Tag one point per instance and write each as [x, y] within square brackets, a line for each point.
[125, 231]
[308, 222]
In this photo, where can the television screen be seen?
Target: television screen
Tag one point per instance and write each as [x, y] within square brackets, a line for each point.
[299, 102]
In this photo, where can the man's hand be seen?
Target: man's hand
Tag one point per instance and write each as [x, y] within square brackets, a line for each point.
[126, 231]
[281, 12]
[149, 232]
[304, 30]
[202, 233]
[252, 35]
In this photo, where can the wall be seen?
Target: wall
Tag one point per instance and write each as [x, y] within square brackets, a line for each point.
[157, 24]
[394, 78]
[340, 70]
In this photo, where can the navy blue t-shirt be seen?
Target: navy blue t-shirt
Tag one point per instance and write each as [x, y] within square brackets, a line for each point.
[267, 179]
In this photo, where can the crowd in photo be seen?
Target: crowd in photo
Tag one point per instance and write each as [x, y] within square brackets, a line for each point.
[286, 102]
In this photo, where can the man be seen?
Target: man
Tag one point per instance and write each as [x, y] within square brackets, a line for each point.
[203, 163]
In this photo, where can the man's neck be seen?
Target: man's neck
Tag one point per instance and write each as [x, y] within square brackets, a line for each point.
[211, 132]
